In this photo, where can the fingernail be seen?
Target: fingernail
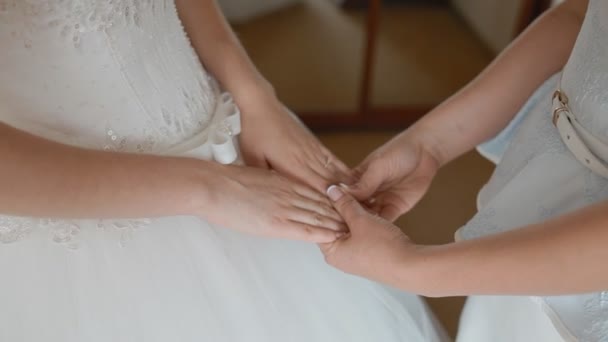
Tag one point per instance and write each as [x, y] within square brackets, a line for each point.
[335, 193]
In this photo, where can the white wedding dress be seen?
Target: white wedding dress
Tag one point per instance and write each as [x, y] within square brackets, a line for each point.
[538, 178]
[121, 75]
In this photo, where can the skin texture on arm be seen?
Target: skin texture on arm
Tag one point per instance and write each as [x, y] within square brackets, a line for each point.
[485, 106]
[41, 178]
[221, 52]
[565, 255]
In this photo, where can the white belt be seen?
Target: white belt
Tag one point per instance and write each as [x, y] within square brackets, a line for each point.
[217, 141]
[579, 141]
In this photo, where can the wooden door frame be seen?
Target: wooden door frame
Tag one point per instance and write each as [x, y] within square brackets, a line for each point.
[368, 116]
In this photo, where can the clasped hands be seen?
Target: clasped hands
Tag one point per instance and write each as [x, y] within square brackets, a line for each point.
[351, 222]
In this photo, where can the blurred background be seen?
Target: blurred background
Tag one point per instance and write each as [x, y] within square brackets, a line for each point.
[359, 71]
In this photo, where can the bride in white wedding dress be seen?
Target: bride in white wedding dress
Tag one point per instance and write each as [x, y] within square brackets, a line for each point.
[120, 169]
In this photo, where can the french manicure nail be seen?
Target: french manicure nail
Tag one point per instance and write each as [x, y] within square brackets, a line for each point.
[335, 193]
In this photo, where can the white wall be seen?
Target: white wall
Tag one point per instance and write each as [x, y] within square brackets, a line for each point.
[494, 20]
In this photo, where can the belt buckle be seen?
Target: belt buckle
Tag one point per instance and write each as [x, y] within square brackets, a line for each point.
[563, 105]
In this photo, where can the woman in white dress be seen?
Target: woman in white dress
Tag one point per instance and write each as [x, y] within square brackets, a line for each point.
[117, 181]
[535, 253]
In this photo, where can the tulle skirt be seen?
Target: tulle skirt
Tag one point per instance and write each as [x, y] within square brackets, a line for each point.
[505, 319]
[182, 279]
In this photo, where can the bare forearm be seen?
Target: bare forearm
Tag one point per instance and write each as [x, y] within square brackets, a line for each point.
[220, 51]
[46, 179]
[489, 102]
[562, 256]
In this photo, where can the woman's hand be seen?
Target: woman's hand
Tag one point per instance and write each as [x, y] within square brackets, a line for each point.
[272, 137]
[262, 202]
[395, 177]
[374, 248]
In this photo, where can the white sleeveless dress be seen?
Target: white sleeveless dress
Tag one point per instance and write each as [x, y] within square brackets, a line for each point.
[538, 178]
[121, 75]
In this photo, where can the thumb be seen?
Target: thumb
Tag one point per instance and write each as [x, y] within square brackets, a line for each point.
[369, 182]
[347, 206]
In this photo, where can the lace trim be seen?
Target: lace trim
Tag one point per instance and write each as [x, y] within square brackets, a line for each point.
[65, 232]
[132, 30]
[216, 142]
[596, 312]
[73, 18]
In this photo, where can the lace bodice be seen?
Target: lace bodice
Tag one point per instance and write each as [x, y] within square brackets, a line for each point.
[115, 74]
[585, 77]
[107, 74]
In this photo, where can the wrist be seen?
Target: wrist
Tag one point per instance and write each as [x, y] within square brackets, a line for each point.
[254, 94]
[427, 144]
[441, 270]
[443, 133]
[419, 271]
[200, 184]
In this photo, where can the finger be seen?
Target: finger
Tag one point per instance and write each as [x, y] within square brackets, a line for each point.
[326, 248]
[370, 202]
[377, 209]
[319, 207]
[307, 175]
[333, 171]
[360, 169]
[322, 166]
[314, 219]
[310, 194]
[370, 180]
[347, 206]
[390, 212]
[329, 249]
[344, 173]
[392, 205]
[305, 232]
[373, 209]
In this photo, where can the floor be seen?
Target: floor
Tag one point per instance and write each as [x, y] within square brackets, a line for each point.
[449, 203]
[312, 54]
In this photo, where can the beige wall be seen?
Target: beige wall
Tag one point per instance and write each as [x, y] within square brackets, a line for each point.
[493, 20]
